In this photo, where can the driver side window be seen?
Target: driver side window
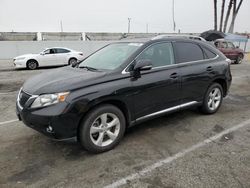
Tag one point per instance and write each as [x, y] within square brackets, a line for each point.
[230, 45]
[47, 51]
[159, 54]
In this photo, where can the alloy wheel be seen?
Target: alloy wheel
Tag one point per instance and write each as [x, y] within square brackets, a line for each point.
[214, 99]
[105, 129]
[240, 59]
[32, 65]
[72, 61]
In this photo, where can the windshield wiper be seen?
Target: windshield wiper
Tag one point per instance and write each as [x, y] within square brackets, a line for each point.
[88, 68]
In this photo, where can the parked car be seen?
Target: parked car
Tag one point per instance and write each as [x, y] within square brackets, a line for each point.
[49, 57]
[121, 85]
[230, 51]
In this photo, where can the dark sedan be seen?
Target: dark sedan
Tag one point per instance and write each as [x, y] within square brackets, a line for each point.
[121, 85]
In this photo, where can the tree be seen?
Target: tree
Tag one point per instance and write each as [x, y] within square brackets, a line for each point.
[222, 14]
[215, 15]
[235, 13]
[227, 15]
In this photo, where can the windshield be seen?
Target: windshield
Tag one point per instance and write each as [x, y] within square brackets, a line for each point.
[111, 56]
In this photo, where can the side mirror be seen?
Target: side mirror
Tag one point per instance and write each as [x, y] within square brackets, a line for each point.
[141, 65]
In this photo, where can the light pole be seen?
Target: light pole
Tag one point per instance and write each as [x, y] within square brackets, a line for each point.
[174, 25]
[129, 20]
[61, 26]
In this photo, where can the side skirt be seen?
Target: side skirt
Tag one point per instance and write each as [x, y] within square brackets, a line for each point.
[165, 111]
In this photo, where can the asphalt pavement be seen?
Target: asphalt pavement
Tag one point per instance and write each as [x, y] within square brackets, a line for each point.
[184, 149]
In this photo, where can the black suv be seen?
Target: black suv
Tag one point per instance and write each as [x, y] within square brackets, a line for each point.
[121, 85]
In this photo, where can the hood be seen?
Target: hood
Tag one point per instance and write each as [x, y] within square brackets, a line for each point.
[26, 55]
[61, 80]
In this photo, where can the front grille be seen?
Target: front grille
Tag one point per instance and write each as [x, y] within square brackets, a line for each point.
[23, 98]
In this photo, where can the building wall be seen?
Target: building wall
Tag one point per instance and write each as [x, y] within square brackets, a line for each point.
[18, 36]
[61, 36]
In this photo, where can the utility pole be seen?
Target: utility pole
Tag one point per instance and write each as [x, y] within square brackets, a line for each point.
[174, 25]
[61, 26]
[129, 20]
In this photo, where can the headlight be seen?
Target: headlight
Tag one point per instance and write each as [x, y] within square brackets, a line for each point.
[20, 58]
[49, 99]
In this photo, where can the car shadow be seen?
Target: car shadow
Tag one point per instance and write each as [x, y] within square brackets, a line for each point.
[25, 69]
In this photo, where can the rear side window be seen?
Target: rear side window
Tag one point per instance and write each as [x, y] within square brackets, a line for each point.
[61, 50]
[209, 54]
[187, 51]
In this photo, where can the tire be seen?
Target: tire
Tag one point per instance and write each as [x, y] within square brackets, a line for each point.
[72, 61]
[212, 99]
[32, 64]
[97, 133]
[239, 59]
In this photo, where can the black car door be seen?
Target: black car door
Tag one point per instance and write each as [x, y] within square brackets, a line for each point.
[158, 88]
[196, 69]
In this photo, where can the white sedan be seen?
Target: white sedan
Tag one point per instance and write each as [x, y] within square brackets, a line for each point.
[49, 57]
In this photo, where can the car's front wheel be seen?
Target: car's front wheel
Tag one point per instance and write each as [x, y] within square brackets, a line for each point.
[102, 129]
[212, 99]
[32, 64]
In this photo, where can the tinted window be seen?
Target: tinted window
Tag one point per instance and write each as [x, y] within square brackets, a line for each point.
[223, 45]
[47, 51]
[61, 50]
[159, 54]
[230, 45]
[187, 52]
[209, 54]
[52, 51]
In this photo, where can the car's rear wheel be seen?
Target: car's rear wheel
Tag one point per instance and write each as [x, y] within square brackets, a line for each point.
[212, 99]
[32, 64]
[102, 129]
[239, 59]
[72, 61]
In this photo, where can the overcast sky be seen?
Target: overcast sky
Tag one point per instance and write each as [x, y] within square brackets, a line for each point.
[112, 15]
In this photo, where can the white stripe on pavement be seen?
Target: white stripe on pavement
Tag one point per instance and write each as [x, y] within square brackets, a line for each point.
[7, 93]
[167, 160]
[6, 122]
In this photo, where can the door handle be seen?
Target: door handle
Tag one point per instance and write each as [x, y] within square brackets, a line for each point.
[174, 75]
[209, 69]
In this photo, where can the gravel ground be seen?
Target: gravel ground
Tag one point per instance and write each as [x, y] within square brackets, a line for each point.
[29, 159]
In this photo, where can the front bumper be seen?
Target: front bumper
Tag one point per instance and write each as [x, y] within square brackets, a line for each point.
[51, 121]
[19, 63]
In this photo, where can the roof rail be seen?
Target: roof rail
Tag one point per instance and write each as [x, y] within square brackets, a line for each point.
[193, 37]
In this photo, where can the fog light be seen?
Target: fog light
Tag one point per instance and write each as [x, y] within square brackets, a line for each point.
[49, 129]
